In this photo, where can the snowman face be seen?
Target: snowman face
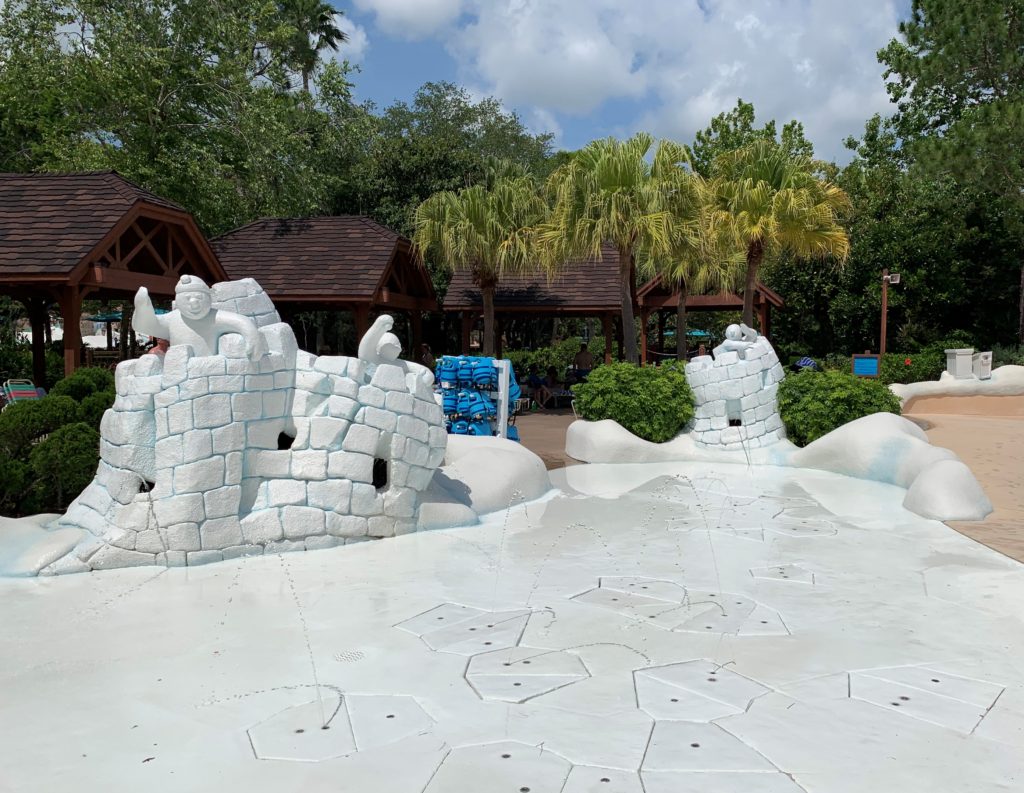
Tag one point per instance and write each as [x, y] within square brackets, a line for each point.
[194, 305]
[733, 333]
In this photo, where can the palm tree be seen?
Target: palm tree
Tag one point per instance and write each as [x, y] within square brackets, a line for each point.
[487, 228]
[711, 265]
[316, 30]
[610, 192]
[774, 202]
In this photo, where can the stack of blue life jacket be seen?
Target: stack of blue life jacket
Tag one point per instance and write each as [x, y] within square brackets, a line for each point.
[467, 384]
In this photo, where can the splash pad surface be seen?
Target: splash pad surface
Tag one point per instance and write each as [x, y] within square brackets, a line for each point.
[660, 627]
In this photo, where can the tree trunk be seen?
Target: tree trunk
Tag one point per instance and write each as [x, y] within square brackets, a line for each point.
[755, 255]
[628, 323]
[487, 290]
[1020, 308]
[681, 324]
[305, 80]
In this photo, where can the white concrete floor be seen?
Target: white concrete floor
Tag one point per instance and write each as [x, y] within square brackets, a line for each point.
[649, 628]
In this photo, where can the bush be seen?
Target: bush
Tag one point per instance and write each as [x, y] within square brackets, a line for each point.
[897, 367]
[16, 362]
[23, 423]
[83, 383]
[94, 406]
[63, 465]
[813, 404]
[653, 403]
[1007, 354]
[560, 356]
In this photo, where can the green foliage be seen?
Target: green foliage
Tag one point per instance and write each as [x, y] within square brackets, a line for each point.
[813, 404]
[16, 363]
[63, 464]
[15, 477]
[560, 356]
[23, 423]
[734, 129]
[654, 403]
[1007, 355]
[92, 408]
[84, 382]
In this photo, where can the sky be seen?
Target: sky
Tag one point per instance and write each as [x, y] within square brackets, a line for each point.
[585, 69]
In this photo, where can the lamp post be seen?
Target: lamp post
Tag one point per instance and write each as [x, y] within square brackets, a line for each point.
[887, 278]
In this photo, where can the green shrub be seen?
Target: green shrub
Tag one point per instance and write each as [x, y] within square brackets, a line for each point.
[813, 404]
[16, 362]
[92, 408]
[1007, 354]
[653, 403]
[84, 382]
[928, 364]
[15, 477]
[63, 464]
[560, 356]
[23, 423]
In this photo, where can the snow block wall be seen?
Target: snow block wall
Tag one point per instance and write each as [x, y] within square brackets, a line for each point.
[212, 457]
[736, 395]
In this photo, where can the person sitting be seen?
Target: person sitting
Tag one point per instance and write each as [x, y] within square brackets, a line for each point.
[551, 389]
[583, 363]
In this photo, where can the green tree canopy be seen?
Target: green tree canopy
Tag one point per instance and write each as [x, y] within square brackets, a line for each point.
[488, 229]
[957, 78]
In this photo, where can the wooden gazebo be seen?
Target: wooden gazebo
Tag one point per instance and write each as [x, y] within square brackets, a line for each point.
[655, 296]
[587, 288]
[64, 237]
[332, 263]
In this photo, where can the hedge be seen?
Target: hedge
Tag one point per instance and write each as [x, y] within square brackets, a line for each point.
[654, 403]
[813, 404]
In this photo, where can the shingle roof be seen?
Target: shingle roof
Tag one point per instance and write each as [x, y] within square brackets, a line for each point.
[584, 285]
[49, 222]
[340, 255]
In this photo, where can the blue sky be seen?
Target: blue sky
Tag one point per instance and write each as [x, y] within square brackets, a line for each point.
[583, 69]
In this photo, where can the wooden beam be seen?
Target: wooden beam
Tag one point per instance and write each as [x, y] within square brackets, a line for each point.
[645, 315]
[606, 325]
[127, 281]
[71, 310]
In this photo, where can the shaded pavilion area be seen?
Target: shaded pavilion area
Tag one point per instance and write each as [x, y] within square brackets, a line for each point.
[67, 237]
[658, 298]
[586, 289]
[332, 263]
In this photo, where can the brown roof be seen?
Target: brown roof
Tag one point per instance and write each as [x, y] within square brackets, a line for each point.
[340, 255]
[50, 222]
[654, 293]
[587, 285]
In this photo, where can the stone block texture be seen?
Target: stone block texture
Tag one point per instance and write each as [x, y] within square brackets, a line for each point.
[214, 457]
[735, 397]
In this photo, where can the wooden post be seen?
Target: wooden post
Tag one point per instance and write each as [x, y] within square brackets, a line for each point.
[606, 326]
[661, 330]
[645, 315]
[362, 318]
[762, 317]
[37, 319]
[618, 337]
[416, 322]
[467, 326]
[885, 309]
[71, 310]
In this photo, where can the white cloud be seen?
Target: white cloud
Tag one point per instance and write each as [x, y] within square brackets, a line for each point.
[684, 61]
[412, 18]
[358, 42]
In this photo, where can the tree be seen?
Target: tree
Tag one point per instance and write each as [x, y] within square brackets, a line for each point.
[316, 30]
[439, 142]
[958, 82]
[735, 129]
[774, 202]
[487, 228]
[183, 97]
[610, 192]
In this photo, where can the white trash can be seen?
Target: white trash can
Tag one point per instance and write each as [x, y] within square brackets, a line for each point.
[959, 363]
[982, 365]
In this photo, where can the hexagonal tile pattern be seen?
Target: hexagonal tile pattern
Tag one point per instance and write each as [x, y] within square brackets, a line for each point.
[694, 691]
[959, 703]
[504, 767]
[464, 630]
[787, 573]
[669, 606]
[523, 673]
[354, 722]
